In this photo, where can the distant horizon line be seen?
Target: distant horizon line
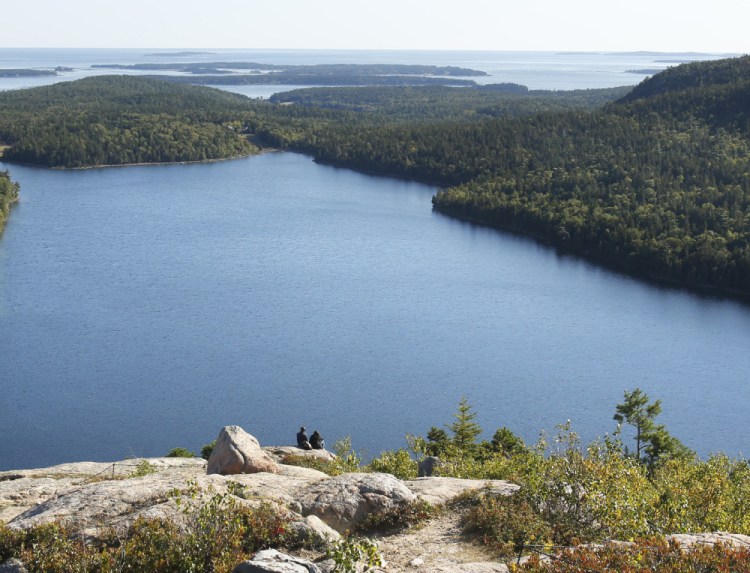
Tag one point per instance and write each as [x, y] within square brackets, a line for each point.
[476, 50]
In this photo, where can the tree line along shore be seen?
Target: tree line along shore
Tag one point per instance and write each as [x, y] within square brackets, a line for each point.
[653, 180]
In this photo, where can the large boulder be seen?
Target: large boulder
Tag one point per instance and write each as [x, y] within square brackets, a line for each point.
[343, 502]
[272, 561]
[237, 452]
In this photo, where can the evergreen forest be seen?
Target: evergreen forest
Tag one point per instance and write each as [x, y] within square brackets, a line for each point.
[653, 180]
[8, 196]
[116, 120]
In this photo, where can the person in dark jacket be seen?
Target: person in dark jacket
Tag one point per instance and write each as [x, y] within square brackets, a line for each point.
[302, 441]
[316, 441]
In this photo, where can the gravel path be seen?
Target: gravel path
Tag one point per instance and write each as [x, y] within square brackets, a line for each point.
[435, 547]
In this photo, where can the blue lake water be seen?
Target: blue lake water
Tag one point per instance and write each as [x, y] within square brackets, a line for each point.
[143, 308]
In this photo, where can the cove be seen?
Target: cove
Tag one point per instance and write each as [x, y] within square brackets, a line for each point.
[143, 308]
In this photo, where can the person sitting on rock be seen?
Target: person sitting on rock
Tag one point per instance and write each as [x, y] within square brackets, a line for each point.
[302, 441]
[317, 442]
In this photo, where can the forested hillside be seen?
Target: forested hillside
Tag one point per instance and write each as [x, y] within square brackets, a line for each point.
[8, 195]
[420, 104]
[656, 182]
[112, 120]
[731, 71]
[124, 119]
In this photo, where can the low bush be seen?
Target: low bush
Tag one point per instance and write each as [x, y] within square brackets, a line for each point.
[347, 460]
[504, 523]
[398, 463]
[218, 531]
[10, 540]
[351, 555]
[206, 449]
[180, 453]
[327, 467]
[596, 492]
[54, 548]
[402, 516]
[653, 555]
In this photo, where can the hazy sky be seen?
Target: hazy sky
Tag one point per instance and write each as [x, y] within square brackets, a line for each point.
[664, 25]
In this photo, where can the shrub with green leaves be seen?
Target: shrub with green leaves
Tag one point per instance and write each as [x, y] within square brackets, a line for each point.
[694, 495]
[351, 555]
[505, 523]
[10, 540]
[506, 442]
[601, 491]
[53, 548]
[402, 516]
[652, 554]
[206, 449]
[217, 532]
[347, 460]
[398, 463]
[143, 468]
[180, 453]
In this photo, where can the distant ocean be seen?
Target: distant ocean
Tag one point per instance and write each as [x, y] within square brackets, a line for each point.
[537, 70]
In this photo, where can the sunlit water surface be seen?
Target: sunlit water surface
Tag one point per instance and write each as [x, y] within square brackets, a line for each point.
[144, 308]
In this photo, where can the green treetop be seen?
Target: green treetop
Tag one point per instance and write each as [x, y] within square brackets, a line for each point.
[465, 429]
[637, 412]
[651, 439]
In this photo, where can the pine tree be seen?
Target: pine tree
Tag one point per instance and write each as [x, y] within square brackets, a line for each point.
[637, 412]
[651, 439]
[465, 429]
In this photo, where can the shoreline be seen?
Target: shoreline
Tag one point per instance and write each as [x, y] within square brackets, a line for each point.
[623, 269]
[709, 291]
[146, 164]
[706, 291]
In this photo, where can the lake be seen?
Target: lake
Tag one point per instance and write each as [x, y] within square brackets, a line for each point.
[143, 308]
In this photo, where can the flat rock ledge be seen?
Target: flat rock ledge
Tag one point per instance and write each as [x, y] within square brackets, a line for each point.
[281, 453]
[730, 539]
[118, 501]
[90, 496]
[23, 490]
[440, 490]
